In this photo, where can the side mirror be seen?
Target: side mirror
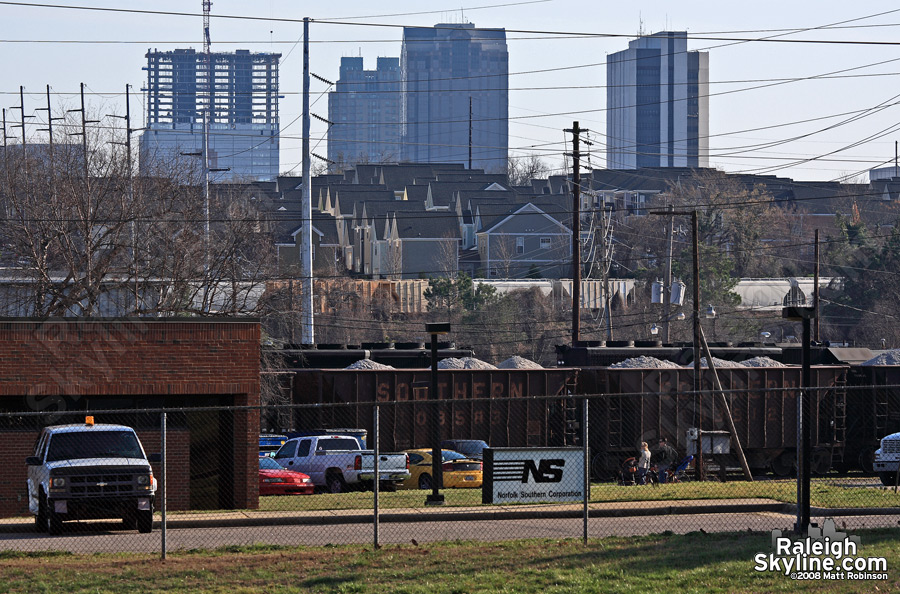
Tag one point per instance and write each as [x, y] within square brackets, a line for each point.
[157, 457]
[32, 461]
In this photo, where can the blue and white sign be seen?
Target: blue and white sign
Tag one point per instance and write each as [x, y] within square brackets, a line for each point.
[533, 475]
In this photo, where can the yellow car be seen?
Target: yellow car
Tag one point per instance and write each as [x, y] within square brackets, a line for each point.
[458, 471]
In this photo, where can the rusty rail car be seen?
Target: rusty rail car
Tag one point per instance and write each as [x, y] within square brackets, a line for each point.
[627, 406]
[634, 405]
[504, 407]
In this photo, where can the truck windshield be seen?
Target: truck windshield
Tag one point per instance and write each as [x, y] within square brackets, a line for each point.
[94, 444]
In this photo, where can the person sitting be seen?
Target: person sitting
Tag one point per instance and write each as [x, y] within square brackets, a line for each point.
[666, 456]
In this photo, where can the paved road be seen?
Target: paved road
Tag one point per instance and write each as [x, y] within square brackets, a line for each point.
[105, 537]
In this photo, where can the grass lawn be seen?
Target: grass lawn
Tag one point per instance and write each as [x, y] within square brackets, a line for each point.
[685, 564]
[822, 494]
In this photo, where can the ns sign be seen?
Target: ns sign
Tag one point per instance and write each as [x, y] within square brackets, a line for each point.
[533, 475]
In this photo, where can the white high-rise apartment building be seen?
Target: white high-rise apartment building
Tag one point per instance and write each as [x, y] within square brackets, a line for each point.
[657, 100]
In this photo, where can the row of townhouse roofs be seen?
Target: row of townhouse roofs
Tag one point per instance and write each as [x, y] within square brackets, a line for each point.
[413, 220]
[406, 221]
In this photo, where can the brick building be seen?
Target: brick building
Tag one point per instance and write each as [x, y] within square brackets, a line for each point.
[55, 371]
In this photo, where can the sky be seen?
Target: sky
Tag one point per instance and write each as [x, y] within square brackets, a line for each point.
[806, 90]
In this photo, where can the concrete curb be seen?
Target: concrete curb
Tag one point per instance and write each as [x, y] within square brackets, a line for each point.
[449, 515]
[619, 510]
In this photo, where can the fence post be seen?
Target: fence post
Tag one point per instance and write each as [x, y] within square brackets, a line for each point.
[375, 480]
[587, 464]
[162, 482]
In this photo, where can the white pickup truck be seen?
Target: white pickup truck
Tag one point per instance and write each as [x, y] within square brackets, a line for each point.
[337, 463]
[887, 458]
[90, 471]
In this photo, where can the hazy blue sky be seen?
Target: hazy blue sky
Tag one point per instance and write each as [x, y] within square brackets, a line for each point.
[751, 116]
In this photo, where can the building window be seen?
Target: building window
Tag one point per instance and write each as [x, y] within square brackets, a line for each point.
[520, 245]
[545, 243]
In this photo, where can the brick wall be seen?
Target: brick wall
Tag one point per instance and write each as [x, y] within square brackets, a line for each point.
[178, 466]
[46, 361]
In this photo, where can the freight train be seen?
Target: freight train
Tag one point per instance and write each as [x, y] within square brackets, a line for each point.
[852, 407]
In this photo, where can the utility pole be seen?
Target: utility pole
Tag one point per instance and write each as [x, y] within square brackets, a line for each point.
[21, 109]
[576, 233]
[130, 173]
[667, 288]
[207, 6]
[605, 228]
[695, 227]
[307, 335]
[816, 288]
[89, 208]
[470, 132]
[5, 149]
[50, 120]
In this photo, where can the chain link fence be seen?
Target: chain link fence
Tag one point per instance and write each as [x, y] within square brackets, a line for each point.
[522, 455]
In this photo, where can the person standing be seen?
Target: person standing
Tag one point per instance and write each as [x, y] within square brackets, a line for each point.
[667, 456]
[643, 463]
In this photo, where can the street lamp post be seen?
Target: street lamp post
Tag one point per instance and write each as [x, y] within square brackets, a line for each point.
[435, 498]
[804, 416]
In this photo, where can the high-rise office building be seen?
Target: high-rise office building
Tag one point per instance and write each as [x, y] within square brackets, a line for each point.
[455, 95]
[243, 117]
[364, 111]
[657, 100]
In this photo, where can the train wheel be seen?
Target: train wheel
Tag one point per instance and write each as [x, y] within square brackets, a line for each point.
[821, 462]
[783, 465]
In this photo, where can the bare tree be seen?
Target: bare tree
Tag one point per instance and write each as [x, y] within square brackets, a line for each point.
[521, 170]
[90, 238]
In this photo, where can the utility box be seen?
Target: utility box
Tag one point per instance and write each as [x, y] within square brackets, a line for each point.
[714, 442]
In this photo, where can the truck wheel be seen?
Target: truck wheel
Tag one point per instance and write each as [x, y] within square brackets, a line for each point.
[145, 521]
[425, 481]
[888, 479]
[40, 520]
[54, 523]
[336, 483]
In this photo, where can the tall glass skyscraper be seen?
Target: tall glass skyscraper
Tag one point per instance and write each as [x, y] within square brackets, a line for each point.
[445, 70]
[364, 110]
[243, 111]
[657, 100]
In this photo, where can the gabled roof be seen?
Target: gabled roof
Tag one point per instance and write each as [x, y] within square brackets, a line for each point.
[441, 193]
[326, 225]
[489, 220]
[416, 194]
[427, 225]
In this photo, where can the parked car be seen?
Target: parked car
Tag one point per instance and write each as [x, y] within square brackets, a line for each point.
[277, 480]
[270, 442]
[338, 463]
[472, 448]
[459, 471]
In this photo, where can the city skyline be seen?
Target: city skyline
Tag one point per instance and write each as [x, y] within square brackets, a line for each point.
[813, 101]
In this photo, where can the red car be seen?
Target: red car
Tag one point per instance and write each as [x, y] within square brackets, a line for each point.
[275, 480]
